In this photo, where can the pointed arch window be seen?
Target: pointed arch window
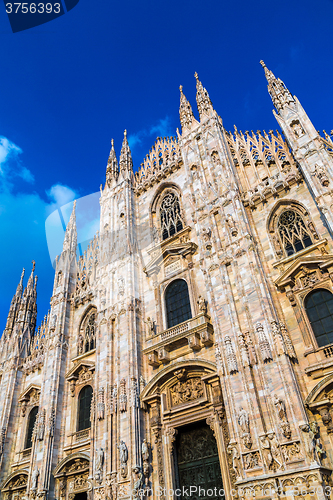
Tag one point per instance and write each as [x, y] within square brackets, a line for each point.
[87, 334]
[84, 406]
[292, 232]
[319, 308]
[170, 213]
[177, 303]
[30, 428]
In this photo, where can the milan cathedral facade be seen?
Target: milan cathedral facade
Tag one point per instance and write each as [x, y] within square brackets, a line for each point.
[188, 353]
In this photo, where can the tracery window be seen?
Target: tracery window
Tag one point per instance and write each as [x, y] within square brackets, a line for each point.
[177, 303]
[31, 424]
[292, 232]
[87, 335]
[84, 406]
[171, 218]
[319, 308]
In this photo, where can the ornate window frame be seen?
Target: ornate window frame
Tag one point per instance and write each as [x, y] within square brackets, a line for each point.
[273, 220]
[191, 292]
[305, 274]
[81, 337]
[155, 211]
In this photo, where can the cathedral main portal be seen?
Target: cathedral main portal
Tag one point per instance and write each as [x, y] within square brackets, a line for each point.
[197, 462]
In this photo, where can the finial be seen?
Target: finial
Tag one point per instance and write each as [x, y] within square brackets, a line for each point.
[33, 265]
[112, 143]
[262, 64]
[196, 75]
[125, 133]
[181, 88]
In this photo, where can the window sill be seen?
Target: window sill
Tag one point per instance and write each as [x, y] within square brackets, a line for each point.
[301, 253]
[84, 355]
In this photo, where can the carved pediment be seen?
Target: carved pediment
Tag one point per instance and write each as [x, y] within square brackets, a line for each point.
[161, 255]
[82, 371]
[304, 266]
[30, 394]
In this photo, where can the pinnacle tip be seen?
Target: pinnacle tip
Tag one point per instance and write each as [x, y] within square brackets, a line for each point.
[196, 75]
[181, 88]
[125, 132]
[262, 64]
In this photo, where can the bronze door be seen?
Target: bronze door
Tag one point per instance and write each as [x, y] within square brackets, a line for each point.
[197, 463]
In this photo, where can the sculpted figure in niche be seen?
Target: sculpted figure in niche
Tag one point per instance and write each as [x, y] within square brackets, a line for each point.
[151, 326]
[202, 304]
[298, 129]
[123, 453]
[316, 449]
[34, 479]
[100, 459]
[236, 465]
[80, 343]
[244, 424]
[281, 408]
[145, 451]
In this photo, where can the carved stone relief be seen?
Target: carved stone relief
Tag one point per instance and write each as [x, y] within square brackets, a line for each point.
[185, 391]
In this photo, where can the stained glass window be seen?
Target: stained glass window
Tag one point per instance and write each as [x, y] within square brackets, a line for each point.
[90, 338]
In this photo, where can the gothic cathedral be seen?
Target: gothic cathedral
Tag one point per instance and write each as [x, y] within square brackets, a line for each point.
[188, 353]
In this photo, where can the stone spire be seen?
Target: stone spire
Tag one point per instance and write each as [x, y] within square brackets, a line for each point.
[30, 284]
[70, 241]
[125, 162]
[112, 166]
[185, 111]
[19, 289]
[204, 103]
[278, 91]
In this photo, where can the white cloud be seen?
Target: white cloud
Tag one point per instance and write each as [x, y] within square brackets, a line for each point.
[59, 194]
[10, 164]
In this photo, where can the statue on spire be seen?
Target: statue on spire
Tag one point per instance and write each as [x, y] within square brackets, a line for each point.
[112, 166]
[277, 90]
[185, 111]
[204, 103]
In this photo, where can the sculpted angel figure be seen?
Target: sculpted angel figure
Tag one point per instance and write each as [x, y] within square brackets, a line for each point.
[151, 326]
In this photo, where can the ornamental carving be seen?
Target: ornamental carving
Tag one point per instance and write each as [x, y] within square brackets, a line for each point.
[271, 460]
[185, 391]
[236, 461]
[84, 375]
[230, 354]
[291, 452]
[252, 460]
[78, 483]
[265, 348]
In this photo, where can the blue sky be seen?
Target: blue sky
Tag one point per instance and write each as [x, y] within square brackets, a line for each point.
[69, 86]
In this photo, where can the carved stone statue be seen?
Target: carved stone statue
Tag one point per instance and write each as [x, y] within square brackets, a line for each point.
[34, 479]
[100, 459]
[202, 304]
[137, 486]
[231, 225]
[151, 326]
[123, 454]
[53, 322]
[145, 451]
[281, 408]
[80, 343]
[315, 449]
[275, 450]
[236, 461]
[244, 424]
[266, 452]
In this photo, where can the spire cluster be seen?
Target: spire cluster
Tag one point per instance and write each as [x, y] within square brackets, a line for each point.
[125, 162]
[277, 90]
[23, 308]
[204, 105]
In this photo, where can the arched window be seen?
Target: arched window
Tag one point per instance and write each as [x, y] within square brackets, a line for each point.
[31, 424]
[177, 303]
[319, 308]
[171, 219]
[85, 398]
[87, 335]
[292, 232]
